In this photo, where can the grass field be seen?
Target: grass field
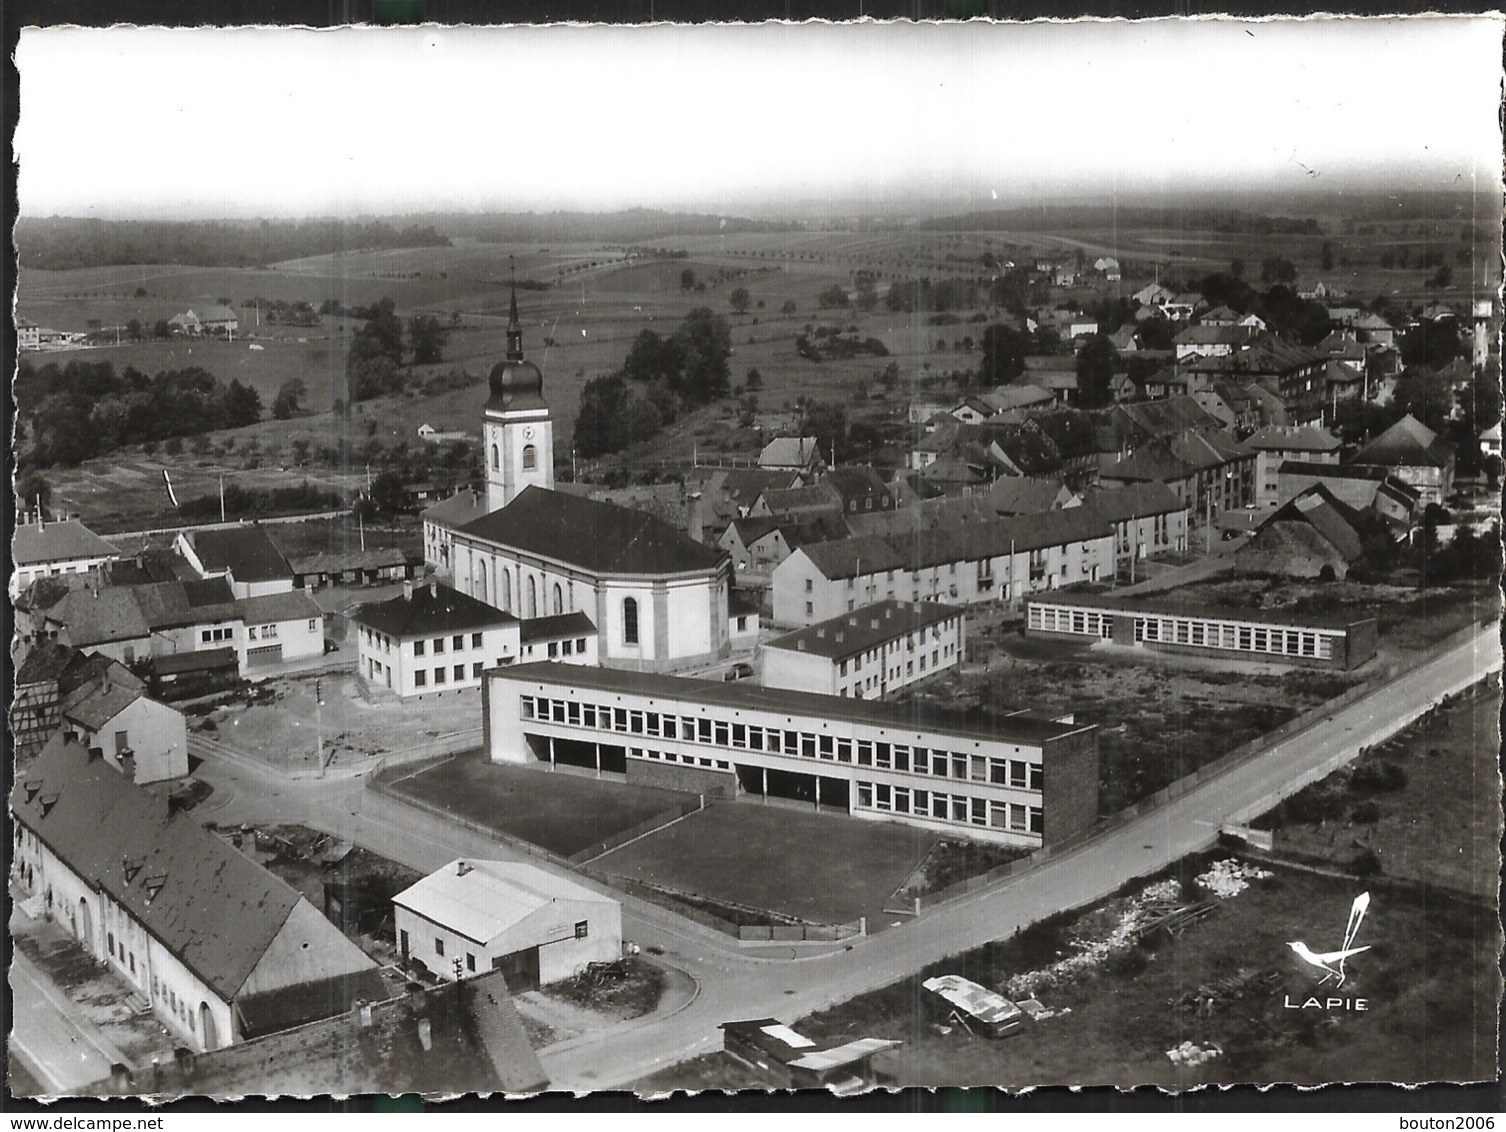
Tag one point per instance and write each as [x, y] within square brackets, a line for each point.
[563, 813]
[824, 868]
[1426, 801]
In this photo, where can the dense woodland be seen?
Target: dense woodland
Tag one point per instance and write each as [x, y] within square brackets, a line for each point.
[63, 243]
[84, 409]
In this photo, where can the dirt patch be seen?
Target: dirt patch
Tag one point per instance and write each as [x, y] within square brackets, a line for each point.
[1183, 714]
[1423, 806]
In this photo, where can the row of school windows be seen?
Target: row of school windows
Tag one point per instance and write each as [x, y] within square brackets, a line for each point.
[779, 741]
[686, 760]
[1188, 631]
[960, 808]
[437, 645]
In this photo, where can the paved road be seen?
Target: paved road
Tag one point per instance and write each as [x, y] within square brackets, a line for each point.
[59, 1048]
[735, 984]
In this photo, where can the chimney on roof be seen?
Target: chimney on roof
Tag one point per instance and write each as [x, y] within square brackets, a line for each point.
[462, 868]
[433, 589]
[96, 754]
[408, 590]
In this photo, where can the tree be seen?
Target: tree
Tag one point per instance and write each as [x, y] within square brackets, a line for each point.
[611, 417]
[1431, 344]
[833, 296]
[1276, 269]
[827, 422]
[754, 381]
[739, 299]
[289, 398]
[687, 279]
[1003, 355]
[703, 344]
[1426, 396]
[1442, 278]
[428, 338]
[162, 329]
[133, 328]
[788, 307]
[1095, 371]
[242, 405]
[33, 490]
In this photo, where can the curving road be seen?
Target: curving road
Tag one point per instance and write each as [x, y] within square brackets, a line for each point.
[735, 984]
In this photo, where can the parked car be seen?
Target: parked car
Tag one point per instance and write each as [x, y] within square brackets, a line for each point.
[739, 671]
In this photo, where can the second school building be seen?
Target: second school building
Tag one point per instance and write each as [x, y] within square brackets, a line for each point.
[1013, 779]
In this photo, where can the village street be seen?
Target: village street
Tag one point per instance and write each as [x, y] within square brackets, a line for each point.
[735, 983]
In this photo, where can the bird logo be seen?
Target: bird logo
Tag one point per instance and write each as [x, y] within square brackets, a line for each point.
[1331, 963]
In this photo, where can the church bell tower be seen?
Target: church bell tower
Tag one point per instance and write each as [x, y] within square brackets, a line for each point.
[518, 428]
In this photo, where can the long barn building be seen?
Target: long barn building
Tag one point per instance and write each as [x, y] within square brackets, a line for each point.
[1012, 779]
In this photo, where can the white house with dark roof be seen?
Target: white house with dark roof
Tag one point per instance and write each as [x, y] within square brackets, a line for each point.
[432, 639]
[475, 916]
[145, 740]
[244, 555]
[218, 947]
[42, 550]
[281, 627]
[790, 453]
[868, 653]
[999, 560]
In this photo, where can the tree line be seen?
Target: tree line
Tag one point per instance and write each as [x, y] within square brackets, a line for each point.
[374, 362]
[85, 409]
[61, 243]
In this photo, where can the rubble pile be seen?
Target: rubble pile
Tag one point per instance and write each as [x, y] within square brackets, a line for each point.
[1192, 1055]
[1229, 877]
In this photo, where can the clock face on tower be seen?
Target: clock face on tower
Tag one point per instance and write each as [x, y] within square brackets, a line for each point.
[528, 433]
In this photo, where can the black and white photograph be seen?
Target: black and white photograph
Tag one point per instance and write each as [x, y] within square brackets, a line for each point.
[780, 558]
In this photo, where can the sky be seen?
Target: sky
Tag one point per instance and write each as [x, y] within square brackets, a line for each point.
[743, 120]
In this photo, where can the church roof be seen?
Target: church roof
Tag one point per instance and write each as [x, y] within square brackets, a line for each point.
[600, 538]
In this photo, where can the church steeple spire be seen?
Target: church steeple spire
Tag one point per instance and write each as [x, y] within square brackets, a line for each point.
[514, 327]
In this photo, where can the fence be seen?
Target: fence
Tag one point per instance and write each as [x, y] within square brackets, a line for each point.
[648, 825]
[1203, 774]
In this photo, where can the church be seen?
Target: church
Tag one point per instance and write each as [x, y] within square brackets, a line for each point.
[657, 597]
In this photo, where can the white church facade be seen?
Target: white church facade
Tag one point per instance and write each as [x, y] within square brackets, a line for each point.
[657, 597]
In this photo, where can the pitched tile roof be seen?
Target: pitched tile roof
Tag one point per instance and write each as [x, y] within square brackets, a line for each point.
[789, 452]
[248, 552]
[169, 605]
[343, 561]
[103, 617]
[67, 541]
[859, 631]
[215, 909]
[431, 609]
[1132, 501]
[461, 508]
[1408, 442]
[599, 538]
[850, 558]
[294, 605]
[45, 663]
[1292, 438]
[1024, 495]
[94, 705]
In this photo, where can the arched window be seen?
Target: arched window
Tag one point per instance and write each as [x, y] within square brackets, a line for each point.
[496, 459]
[507, 589]
[481, 582]
[559, 599]
[629, 621]
[533, 598]
[530, 457]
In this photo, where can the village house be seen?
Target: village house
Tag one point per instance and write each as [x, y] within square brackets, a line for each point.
[1274, 445]
[245, 556]
[432, 639]
[1357, 487]
[218, 948]
[534, 927]
[868, 653]
[49, 550]
[1414, 454]
[1148, 520]
[1206, 469]
[1311, 536]
[790, 454]
[144, 740]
